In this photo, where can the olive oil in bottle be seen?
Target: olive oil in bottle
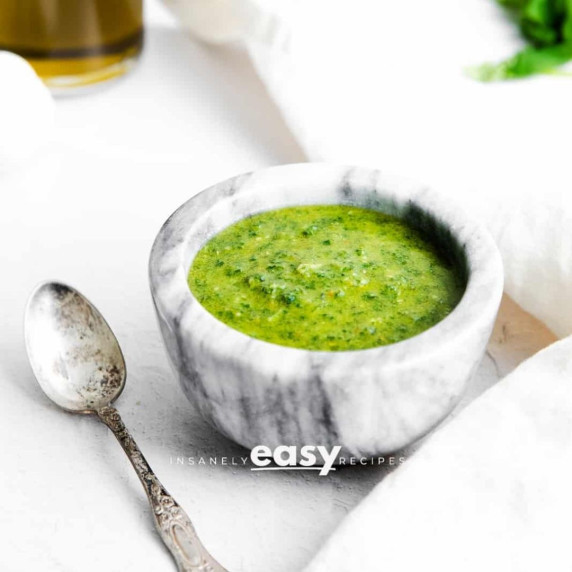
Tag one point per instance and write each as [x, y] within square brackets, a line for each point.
[73, 43]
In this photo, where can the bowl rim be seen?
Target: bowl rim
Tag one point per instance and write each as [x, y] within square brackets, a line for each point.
[180, 310]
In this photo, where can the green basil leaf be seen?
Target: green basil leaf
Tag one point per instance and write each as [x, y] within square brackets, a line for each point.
[528, 62]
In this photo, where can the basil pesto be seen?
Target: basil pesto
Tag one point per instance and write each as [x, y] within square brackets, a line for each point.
[325, 278]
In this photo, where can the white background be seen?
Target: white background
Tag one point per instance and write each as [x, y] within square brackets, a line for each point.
[86, 211]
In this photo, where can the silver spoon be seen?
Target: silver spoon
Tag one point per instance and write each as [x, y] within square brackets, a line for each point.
[79, 365]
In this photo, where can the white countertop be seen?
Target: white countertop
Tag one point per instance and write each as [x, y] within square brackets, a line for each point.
[86, 212]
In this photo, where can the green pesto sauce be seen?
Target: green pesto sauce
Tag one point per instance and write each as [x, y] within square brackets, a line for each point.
[324, 278]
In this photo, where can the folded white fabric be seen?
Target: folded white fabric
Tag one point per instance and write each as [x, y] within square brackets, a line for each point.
[381, 83]
[26, 112]
[489, 491]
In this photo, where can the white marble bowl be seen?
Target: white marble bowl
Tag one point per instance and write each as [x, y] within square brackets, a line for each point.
[371, 401]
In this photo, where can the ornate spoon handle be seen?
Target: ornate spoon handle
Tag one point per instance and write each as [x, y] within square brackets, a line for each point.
[171, 521]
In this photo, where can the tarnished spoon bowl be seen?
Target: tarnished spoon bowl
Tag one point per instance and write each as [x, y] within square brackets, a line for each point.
[74, 354]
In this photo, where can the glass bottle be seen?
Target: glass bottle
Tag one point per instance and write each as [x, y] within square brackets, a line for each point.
[73, 43]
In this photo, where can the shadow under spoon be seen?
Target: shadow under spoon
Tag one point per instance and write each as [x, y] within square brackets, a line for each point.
[79, 365]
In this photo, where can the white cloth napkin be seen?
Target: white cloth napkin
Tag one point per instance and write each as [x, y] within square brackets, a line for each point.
[488, 492]
[381, 83]
[26, 112]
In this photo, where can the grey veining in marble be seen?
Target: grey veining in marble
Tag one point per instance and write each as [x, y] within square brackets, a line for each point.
[370, 401]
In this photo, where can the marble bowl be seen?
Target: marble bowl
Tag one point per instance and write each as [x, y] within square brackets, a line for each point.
[370, 402]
